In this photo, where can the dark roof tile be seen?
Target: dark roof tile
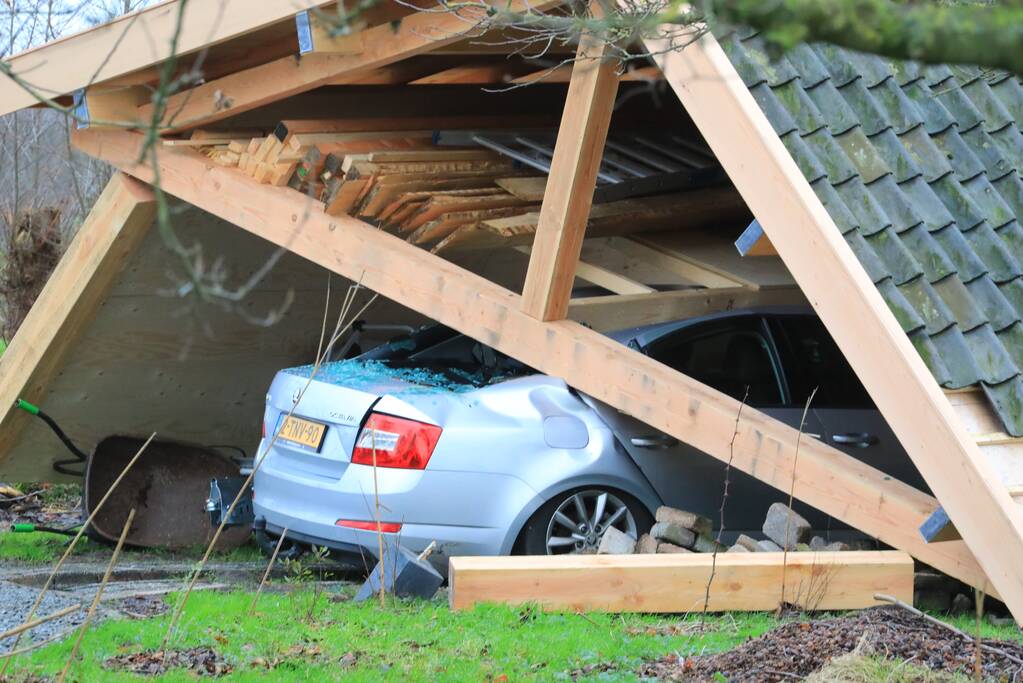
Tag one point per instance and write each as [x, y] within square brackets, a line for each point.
[921, 169]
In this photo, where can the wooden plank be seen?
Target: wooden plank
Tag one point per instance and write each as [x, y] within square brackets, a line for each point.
[602, 277]
[382, 45]
[706, 250]
[472, 74]
[572, 178]
[677, 263]
[110, 234]
[828, 479]
[134, 41]
[608, 313]
[848, 303]
[109, 107]
[530, 189]
[743, 582]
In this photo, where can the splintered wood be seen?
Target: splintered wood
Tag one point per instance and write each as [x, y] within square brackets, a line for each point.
[435, 196]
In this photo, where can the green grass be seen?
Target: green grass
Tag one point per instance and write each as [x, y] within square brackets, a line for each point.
[417, 641]
[423, 641]
[45, 548]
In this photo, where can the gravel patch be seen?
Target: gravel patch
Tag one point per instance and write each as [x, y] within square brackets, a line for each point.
[16, 601]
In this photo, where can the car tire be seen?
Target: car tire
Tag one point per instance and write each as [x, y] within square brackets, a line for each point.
[533, 540]
[290, 550]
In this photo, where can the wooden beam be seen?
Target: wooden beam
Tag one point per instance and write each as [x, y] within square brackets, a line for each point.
[378, 46]
[602, 277]
[69, 301]
[743, 582]
[694, 272]
[573, 176]
[133, 42]
[828, 479]
[104, 107]
[608, 313]
[848, 303]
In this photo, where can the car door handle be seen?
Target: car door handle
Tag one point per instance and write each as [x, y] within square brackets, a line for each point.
[855, 439]
[654, 441]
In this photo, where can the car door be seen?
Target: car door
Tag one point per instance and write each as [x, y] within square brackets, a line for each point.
[729, 354]
[847, 415]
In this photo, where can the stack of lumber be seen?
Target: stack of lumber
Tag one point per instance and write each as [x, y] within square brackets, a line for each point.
[436, 196]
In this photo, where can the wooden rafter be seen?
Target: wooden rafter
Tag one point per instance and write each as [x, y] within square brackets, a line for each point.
[133, 42]
[828, 479]
[846, 300]
[573, 176]
[370, 49]
[76, 289]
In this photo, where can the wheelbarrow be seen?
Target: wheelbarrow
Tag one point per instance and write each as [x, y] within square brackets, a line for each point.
[167, 486]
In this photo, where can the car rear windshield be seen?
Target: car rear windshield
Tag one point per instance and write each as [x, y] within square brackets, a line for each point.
[461, 359]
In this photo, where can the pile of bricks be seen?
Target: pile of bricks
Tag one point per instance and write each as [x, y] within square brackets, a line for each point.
[678, 531]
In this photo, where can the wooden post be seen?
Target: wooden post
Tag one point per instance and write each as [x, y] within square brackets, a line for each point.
[573, 176]
[849, 305]
[69, 301]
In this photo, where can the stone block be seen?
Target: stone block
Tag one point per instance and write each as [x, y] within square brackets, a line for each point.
[646, 544]
[689, 520]
[671, 548]
[781, 520]
[615, 542]
[673, 533]
[748, 543]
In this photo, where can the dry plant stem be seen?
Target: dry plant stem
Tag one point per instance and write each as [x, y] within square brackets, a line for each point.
[380, 532]
[339, 330]
[792, 489]
[978, 607]
[266, 574]
[74, 541]
[29, 625]
[98, 596]
[41, 643]
[938, 622]
[721, 510]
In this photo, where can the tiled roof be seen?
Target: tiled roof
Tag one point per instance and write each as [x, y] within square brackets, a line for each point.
[920, 168]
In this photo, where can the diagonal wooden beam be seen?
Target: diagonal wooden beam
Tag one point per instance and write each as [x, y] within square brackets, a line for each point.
[370, 49]
[133, 42]
[69, 301]
[827, 479]
[850, 306]
[569, 194]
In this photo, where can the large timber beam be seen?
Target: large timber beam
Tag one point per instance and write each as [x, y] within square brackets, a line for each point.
[352, 54]
[68, 303]
[133, 42]
[828, 479]
[569, 194]
[850, 306]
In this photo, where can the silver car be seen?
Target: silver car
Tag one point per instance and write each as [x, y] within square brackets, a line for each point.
[487, 456]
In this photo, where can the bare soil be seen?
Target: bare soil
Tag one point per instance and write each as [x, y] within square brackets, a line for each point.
[798, 649]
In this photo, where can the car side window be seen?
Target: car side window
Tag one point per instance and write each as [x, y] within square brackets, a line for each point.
[812, 359]
[728, 356]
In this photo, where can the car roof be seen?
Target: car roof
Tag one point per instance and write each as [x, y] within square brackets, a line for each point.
[644, 334]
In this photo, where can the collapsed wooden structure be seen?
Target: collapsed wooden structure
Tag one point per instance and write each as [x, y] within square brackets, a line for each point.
[373, 191]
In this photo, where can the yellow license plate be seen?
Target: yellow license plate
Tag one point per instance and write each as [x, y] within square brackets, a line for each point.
[302, 432]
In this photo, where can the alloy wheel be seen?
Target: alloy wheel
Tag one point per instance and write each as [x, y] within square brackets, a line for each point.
[580, 521]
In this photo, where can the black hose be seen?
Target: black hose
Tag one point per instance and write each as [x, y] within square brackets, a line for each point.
[60, 465]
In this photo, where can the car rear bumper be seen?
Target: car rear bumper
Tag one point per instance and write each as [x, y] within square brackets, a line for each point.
[467, 513]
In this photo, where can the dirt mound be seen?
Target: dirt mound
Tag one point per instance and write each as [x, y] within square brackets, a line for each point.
[800, 648]
[203, 661]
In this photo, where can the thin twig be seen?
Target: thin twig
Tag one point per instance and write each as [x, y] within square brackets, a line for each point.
[74, 541]
[98, 596]
[28, 626]
[38, 644]
[938, 622]
[721, 510]
[269, 566]
[792, 489]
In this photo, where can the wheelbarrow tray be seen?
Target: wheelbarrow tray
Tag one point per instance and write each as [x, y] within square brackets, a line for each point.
[167, 487]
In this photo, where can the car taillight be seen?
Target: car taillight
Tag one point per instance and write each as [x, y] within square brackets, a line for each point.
[398, 442]
[385, 527]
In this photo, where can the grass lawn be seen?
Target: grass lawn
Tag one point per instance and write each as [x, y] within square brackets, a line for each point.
[408, 640]
[45, 548]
